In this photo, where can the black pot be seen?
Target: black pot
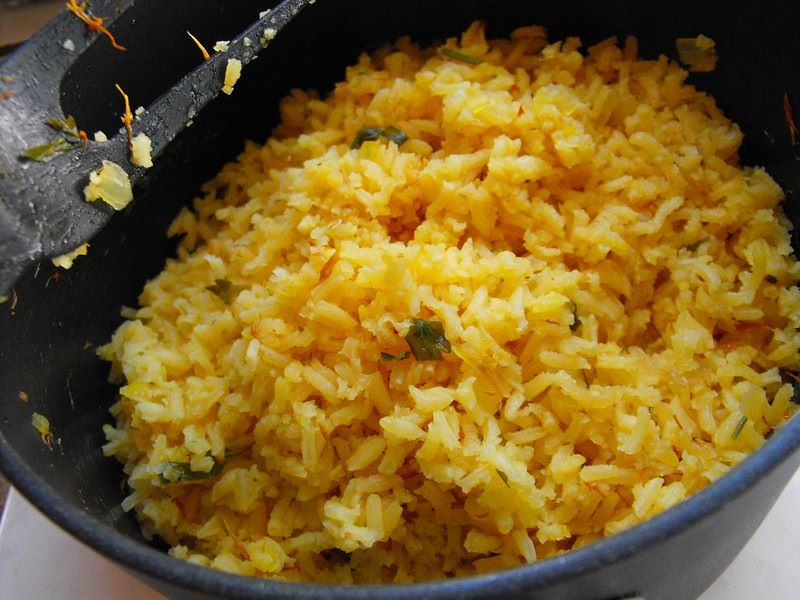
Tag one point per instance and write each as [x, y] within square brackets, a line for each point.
[52, 323]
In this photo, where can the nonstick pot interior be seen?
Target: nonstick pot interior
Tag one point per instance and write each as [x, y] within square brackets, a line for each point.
[54, 320]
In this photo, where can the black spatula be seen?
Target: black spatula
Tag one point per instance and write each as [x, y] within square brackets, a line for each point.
[43, 212]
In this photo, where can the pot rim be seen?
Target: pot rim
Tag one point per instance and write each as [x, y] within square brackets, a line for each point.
[155, 564]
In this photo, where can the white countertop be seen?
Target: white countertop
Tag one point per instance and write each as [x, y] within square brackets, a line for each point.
[38, 560]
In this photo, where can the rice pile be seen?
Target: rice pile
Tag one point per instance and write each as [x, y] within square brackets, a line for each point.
[617, 291]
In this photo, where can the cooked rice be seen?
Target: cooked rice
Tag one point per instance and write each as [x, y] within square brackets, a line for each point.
[619, 295]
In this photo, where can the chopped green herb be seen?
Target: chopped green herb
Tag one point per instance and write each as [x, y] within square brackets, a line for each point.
[697, 53]
[395, 135]
[771, 279]
[576, 322]
[45, 152]
[366, 134]
[66, 126]
[739, 427]
[462, 56]
[370, 133]
[336, 555]
[794, 379]
[173, 472]
[426, 340]
[694, 247]
[224, 290]
[503, 476]
[387, 357]
[69, 137]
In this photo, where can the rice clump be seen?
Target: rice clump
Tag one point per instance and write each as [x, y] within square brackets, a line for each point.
[618, 296]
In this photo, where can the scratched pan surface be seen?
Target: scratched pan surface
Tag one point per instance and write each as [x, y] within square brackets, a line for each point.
[51, 324]
[43, 212]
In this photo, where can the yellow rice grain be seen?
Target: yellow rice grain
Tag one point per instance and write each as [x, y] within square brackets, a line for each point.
[618, 293]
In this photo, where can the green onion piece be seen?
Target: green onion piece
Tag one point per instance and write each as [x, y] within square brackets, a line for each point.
[371, 133]
[461, 56]
[69, 137]
[336, 555]
[224, 290]
[174, 472]
[66, 126]
[576, 322]
[794, 379]
[395, 135]
[694, 247]
[503, 476]
[387, 357]
[47, 151]
[698, 53]
[739, 427]
[426, 340]
[366, 134]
